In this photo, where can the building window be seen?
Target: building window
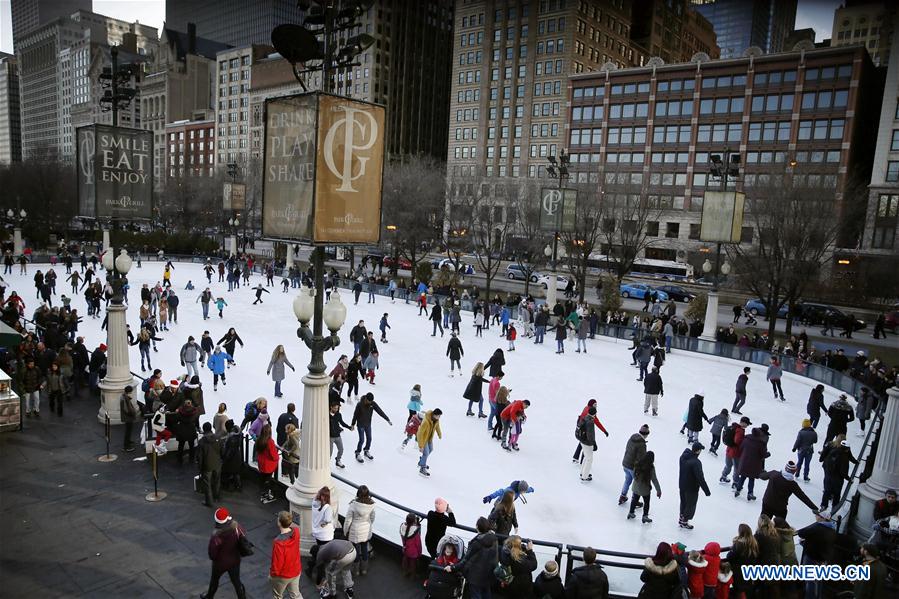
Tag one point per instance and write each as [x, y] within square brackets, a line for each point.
[892, 171]
[672, 230]
[894, 143]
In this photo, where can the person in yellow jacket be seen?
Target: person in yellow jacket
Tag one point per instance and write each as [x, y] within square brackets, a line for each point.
[425, 437]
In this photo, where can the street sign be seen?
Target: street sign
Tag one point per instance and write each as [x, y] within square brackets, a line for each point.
[234, 196]
[115, 172]
[558, 209]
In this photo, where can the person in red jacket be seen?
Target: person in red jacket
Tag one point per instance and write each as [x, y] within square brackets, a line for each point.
[511, 336]
[510, 414]
[712, 555]
[725, 576]
[696, 567]
[267, 459]
[286, 568]
[224, 553]
[576, 458]
[732, 455]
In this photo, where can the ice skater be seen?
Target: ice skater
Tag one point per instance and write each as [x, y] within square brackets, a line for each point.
[259, 291]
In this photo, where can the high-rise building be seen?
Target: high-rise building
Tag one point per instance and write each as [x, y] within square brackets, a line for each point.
[189, 147]
[177, 84]
[741, 24]
[881, 235]
[28, 15]
[870, 24]
[58, 68]
[671, 30]
[10, 119]
[232, 22]
[652, 130]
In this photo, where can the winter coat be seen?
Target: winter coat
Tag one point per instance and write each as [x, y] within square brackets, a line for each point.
[644, 353]
[522, 580]
[436, 313]
[222, 547]
[217, 362]
[474, 389]
[695, 576]
[712, 555]
[691, 478]
[454, 349]
[587, 582]
[352, 371]
[31, 379]
[769, 549]
[503, 522]
[754, 452]
[513, 410]
[210, 453]
[267, 457]
[190, 352]
[634, 450]
[286, 554]
[186, 423]
[437, 525]
[583, 329]
[696, 413]
[548, 586]
[718, 423]
[232, 453]
[262, 418]
[652, 384]
[837, 466]
[643, 483]
[775, 372]
[427, 429]
[864, 407]
[57, 382]
[292, 447]
[805, 441]
[787, 550]
[659, 582]
[358, 522]
[818, 541]
[363, 413]
[322, 521]
[281, 428]
[415, 404]
[841, 414]
[480, 560]
[561, 331]
[411, 536]
[587, 424]
[815, 404]
[276, 367]
[129, 409]
[741, 384]
[739, 435]
[495, 364]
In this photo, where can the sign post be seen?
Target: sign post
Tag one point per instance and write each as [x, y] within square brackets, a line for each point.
[722, 222]
[558, 210]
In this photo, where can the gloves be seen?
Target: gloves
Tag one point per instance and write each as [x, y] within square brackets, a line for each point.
[487, 499]
[607, 433]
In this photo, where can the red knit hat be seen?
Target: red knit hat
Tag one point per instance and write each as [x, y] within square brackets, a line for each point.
[222, 516]
[102, 347]
[175, 383]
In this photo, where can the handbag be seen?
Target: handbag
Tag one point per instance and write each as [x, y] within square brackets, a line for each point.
[244, 546]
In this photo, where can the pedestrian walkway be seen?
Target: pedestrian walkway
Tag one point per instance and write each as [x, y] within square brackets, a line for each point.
[72, 526]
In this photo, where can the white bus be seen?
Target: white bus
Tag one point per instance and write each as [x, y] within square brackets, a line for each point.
[643, 267]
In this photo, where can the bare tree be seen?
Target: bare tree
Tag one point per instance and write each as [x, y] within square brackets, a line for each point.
[627, 211]
[526, 239]
[461, 202]
[580, 242]
[413, 202]
[794, 223]
[494, 219]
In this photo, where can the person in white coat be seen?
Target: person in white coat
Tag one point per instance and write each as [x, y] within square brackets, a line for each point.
[357, 526]
[322, 517]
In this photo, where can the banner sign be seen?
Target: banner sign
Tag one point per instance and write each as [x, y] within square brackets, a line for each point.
[722, 216]
[350, 163]
[115, 172]
[324, 158]
[234, 196]
[558, 209]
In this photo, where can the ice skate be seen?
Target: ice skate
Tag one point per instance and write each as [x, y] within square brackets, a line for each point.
[369, 456]
[359, 458]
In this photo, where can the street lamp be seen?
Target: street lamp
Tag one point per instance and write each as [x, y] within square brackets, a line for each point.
[316, 46]
[16, 217]
[232, 241]
[118, 369]
[724, 168]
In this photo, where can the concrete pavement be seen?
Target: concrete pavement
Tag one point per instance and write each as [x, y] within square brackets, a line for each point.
[72, 526]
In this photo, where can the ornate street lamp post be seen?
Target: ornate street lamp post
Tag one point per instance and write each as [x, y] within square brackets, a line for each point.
[17, 217]
[118, 369]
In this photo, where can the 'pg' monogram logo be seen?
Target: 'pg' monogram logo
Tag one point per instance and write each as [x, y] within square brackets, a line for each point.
[360, 131]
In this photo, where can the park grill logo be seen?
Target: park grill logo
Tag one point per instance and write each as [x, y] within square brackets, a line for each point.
[115, 167]
[324, 156]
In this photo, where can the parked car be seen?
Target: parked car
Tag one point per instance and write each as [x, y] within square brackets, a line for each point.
[404, 264]
[561, 281]
[465, 269]
[815, 313]
[892, 319]
[678, 294]
[757, 308]
[639, 291]
[518, 272]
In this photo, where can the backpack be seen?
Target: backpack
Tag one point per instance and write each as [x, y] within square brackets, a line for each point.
[503, 574]
[728, 437]
[580, 429]
[249, 411]
[145, 386]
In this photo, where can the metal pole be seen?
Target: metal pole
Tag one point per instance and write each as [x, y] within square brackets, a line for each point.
[114, 51]
[107, 457]
[155, 495]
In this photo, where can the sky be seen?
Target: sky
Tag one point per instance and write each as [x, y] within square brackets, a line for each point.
[817, 14]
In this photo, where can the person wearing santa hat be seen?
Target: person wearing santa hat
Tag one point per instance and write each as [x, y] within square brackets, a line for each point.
[225, 553]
